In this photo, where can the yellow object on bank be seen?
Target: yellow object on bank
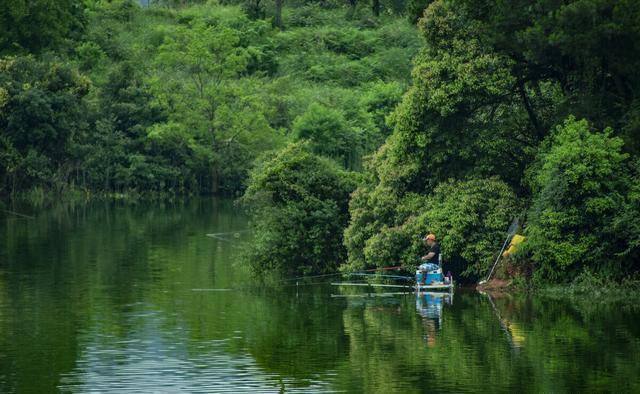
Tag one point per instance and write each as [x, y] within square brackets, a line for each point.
[513, 246]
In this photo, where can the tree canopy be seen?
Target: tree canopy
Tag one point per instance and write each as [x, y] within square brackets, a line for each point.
[487, 111]
[491, 84]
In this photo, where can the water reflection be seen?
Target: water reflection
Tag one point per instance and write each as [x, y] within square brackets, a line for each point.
[116, 297]
[429, 306]
[513, 331]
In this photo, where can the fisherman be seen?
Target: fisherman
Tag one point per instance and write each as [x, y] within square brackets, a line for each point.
[431, 259]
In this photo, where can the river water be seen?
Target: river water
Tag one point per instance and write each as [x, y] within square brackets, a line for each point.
[117, 297]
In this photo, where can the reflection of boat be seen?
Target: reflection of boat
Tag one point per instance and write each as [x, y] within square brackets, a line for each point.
[429, 305]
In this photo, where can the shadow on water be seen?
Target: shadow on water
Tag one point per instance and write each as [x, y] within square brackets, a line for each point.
[135, 297]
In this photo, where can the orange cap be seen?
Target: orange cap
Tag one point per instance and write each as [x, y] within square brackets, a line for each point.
[431, 236]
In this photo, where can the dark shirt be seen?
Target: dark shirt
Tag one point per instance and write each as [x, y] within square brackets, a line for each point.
[435, 248]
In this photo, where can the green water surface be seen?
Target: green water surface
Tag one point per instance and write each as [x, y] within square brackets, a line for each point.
[118, 297]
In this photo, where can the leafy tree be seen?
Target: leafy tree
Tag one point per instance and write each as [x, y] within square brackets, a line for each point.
[35, 25]
[468, 217]
[579, 183]
[380, 100]
[41, 113]
[205, 56]
[299, 204]
[328, 133]
[488, 87]
[196, 62]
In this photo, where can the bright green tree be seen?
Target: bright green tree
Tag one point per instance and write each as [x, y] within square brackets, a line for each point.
[579, 186]
[299, 203]
[488, 87]
[469, 219]
[328, 133]
[197, 67]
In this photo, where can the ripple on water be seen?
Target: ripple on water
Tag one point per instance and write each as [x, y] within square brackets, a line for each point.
[142, 369]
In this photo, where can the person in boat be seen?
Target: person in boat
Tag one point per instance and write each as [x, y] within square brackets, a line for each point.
[431, 259]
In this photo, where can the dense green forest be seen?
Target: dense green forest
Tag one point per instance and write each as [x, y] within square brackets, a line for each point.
[182, 97]
[516, 110]
[351, 128]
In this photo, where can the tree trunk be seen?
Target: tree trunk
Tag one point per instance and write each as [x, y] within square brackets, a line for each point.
[277, 20]
[375, 7]
[215, 180]
[532, 115]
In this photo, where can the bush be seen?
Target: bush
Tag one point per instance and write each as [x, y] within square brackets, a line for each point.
[299, 205]
[379, 100]
[470, 219]
[627, 223]
[579, 184]
[41, 112]
[328, 133]
[307, 16]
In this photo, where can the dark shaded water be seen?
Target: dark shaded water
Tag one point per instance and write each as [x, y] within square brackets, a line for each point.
[115, 297]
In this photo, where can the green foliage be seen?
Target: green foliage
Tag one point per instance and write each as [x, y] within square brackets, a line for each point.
[195, 62]
[307, 15]
[299, 204]
[254, 9]
[415, 9]
[41, 114]
[627, 222]
[328, 132]
[480, 97]
[579, 183]
[469, 219]
[184, 96]
[36, 25]
[489, 86]
[380, 100]
[348, 56]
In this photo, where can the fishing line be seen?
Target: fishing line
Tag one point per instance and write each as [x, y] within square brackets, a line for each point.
[18, 214]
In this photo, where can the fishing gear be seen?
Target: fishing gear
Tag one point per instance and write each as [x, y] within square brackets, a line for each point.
[513, 229]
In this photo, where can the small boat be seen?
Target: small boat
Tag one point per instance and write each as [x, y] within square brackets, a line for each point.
[435, 287]
[433, 280]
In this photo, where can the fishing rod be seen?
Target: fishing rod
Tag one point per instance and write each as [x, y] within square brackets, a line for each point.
[362, 273]
[398, 267]
[513, 229]
[312, 276]
[383, 276]
[365, 273]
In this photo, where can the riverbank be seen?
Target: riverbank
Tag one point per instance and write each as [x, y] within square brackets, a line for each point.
[40, 197]
[586, 288]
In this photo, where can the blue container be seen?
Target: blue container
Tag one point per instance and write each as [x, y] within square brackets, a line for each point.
[419, 277]
[434, 278]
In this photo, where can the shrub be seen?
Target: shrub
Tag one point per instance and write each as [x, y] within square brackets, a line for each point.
[579, 183]
[469, 218]
[327, 131]
[299, 205]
